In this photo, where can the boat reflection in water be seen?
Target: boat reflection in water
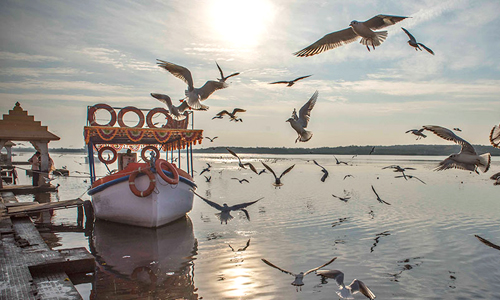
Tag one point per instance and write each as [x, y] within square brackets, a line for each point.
[136, 262]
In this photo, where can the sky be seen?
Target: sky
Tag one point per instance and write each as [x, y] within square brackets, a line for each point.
[58, 57]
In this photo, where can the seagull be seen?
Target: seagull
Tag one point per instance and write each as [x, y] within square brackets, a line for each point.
[345, 199]
[372, 150]
[207, 169]
[495, 136]
[496, 177]
[351, 34]
[240, 164]
[466, 159]
[232, 115]
[399, 169]
[418, 133]
[457, 129]
[241, 180]
[208, 179]
[338, 162]
[277, 180]
[486, 242]
[175, 111]
[378, 198]
[211, 139]
[300, 123]
[298, 277]
[225, 210]
[291, 82]
[223, 79]
[325, 172]
[409, 176]
[240, 249]
[348, 175]
[193, 95]
[261, 171]
[413, 42]
[347, 292]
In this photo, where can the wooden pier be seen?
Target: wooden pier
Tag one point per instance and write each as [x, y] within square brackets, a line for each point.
[29, 269]
[27, 189]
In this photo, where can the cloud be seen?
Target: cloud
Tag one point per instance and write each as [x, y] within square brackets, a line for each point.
[64, 85]
[27, 57]
[37, 72]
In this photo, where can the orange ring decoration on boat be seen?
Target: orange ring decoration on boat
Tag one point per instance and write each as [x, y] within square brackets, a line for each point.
[168, 167]
[92, 111]
[107, 161]
[127, 109]
[152, 182]
[153, 148]
[151, 113]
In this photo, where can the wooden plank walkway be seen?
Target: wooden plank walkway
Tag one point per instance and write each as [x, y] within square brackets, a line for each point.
[27, 189]
[29, 269]
[34, 207]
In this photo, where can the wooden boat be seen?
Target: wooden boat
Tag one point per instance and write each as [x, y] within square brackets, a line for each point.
[148, 194]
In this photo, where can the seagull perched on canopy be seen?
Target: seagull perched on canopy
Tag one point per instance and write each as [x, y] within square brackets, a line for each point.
[418, 133]
[291, 82]
[299, 123]
[193, 95]
[347, 292]
[298, 277]
[223, 79]
[175, 111]
[495, 136]
[413, 42]
[351, 34]
[466, 159]
[277, 180]
[225, 210]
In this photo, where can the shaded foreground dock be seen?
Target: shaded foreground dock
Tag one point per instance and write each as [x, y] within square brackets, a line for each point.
[29, 269]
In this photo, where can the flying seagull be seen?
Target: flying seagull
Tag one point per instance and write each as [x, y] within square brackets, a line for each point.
[466, 159]
[277, 180]
[241, 180]
[240, 164]
[175, 111]
[413, 42]
[378, 197]
[291, 82]
[208, 179]
[409, 176]
[418, 133]
[211, 139]
[338, 162]
[225, 210]
[207, 169]
[399, 169]
[223, 79]
[298, 277]
[345, 199]
[325, 172]
[299, 123]
[495, 136]
[193, 95]
[496, 177]
[231, 115]
[348, 175]
[240, 249]
[486, 242]
[457, 129]
[372, 150]
[347, 292]
[351, 34]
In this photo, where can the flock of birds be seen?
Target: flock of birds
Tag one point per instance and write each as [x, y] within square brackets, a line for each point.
[466, 159]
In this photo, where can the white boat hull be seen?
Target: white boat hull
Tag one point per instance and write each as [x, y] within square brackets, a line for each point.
[167, 203]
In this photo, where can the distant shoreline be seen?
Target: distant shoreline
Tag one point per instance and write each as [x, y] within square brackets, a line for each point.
[345, 150]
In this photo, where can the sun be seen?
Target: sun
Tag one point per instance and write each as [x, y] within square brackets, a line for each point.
[241, 22]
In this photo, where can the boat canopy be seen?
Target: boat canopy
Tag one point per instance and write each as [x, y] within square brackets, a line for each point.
[116, 135]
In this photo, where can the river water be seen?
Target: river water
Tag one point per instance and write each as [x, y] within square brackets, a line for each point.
[422, 246]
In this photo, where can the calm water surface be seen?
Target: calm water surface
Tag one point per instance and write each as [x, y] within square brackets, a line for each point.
[420, 247]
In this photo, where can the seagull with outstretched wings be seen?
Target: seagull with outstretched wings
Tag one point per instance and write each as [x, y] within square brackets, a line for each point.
[347, 292]
[222, 77]
[176, 112]
[240, 164]
[413, 42]
[299, 123]
[325, 172]
[225, 210]
[291, 82]
[356, 30]
[277, 180]
[378, 197]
